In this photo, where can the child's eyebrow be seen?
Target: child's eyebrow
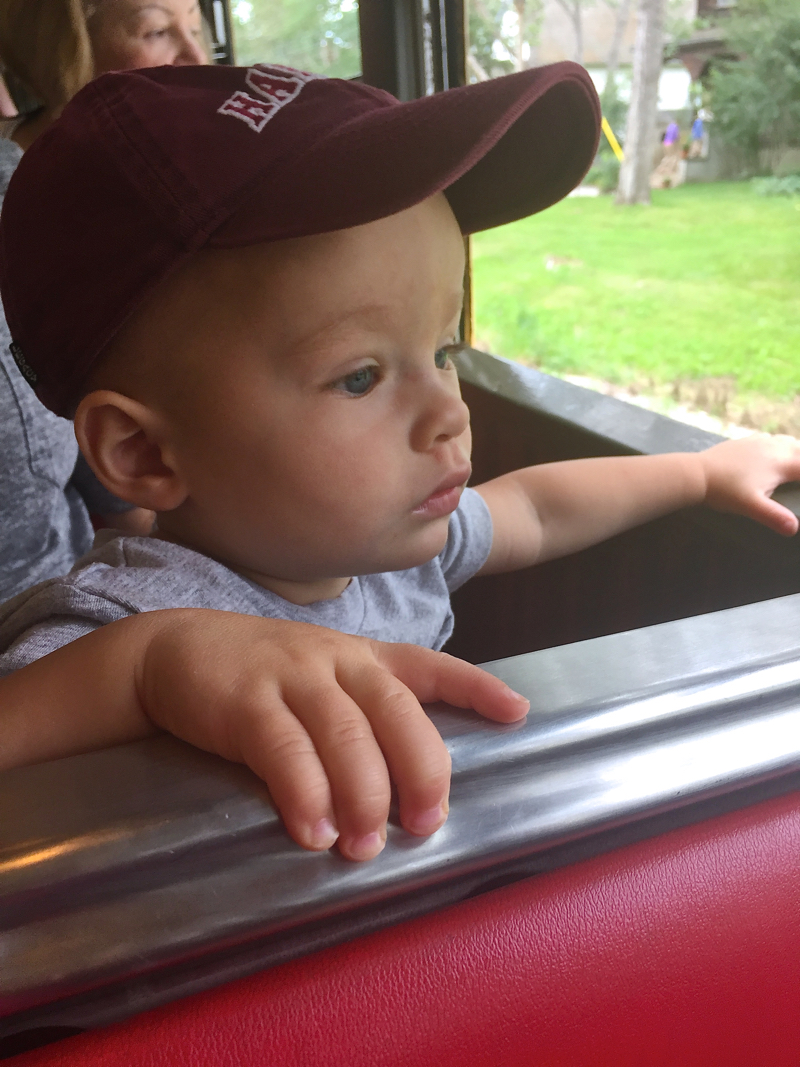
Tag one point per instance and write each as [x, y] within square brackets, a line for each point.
[363, 312]
[362, 315]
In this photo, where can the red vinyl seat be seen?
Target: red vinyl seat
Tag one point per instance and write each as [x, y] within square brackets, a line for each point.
[679, 951]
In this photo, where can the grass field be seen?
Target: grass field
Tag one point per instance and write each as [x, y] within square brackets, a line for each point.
[703, 284]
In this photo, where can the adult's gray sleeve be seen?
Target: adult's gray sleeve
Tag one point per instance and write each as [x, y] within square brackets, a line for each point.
[44, 524]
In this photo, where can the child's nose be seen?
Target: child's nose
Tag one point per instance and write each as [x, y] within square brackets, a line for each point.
[444, 417]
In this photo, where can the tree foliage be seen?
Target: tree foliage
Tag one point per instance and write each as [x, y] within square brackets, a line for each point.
[503, 35]
[316, 35]
[756, 99]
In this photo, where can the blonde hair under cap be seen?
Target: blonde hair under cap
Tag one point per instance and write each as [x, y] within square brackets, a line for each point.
[45, 45]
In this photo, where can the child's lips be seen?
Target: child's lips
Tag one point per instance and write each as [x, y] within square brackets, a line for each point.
[445, 498]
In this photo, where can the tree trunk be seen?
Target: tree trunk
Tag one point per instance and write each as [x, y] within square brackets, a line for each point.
[648, 58]
[577, 22]
[573, 10]
[520, 9]
[527, 13]
[612, 64]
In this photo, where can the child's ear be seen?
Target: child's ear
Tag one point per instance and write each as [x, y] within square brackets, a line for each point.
[126, 445]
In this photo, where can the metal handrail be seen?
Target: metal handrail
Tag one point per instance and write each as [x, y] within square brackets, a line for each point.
[137, 874]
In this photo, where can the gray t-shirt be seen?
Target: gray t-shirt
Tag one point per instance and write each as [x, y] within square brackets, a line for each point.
[128, 575]
[45, 489]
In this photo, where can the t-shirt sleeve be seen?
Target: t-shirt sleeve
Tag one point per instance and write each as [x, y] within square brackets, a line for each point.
[43, 639]
[469, 540]
[48, 616]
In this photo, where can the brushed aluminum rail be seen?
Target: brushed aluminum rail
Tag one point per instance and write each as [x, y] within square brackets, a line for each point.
[134, 875]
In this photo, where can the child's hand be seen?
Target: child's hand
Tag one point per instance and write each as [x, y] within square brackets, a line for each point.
[324, 718]
[741, 476]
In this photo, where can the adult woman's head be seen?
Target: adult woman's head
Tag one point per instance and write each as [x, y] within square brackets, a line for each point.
[126, 34]
[54, 47]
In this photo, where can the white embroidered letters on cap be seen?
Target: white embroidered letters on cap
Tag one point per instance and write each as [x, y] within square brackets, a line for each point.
[254, 112]
[277, 86]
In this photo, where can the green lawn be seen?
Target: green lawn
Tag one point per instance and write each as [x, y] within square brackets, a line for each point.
[705, 283]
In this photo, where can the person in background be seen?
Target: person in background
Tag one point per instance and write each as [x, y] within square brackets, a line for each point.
[672, 135]
[50, 49]
[671, 170]
[698, 131]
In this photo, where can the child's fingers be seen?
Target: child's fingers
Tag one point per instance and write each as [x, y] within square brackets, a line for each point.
[436, 676]
[772, 514]
[276, 746]
[318, 716]
[352, 759]
[417, 757]
[761, 508]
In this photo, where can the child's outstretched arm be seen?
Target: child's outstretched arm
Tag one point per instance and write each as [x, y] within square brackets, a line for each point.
[551, 510]
[327, 720]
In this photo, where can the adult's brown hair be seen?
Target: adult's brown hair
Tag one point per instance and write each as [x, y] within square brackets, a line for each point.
[52, 48]
[45, 45]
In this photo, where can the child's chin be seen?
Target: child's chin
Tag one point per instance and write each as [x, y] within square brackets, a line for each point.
[424, 548]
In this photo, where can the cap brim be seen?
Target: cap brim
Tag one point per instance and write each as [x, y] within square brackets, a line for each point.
[501, 149]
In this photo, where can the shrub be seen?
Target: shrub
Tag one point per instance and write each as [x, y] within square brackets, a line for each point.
[788, 185]
[604, 173]
[756, 98]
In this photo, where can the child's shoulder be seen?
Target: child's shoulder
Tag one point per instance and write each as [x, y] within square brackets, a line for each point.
[148, 574]
[413, 606]
[125, 576]
[469, 540]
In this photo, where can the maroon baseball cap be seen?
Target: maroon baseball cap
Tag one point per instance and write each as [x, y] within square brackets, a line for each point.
[146, 167]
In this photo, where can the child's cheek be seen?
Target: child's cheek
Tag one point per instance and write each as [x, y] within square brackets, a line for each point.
[465, 441]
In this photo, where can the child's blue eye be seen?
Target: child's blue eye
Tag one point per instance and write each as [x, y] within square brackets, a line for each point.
[441, 357]
[359, 382]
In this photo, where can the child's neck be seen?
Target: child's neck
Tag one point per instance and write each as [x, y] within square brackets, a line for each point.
[299, 592]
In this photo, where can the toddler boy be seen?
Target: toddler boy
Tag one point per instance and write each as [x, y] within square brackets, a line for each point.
[260, 353]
